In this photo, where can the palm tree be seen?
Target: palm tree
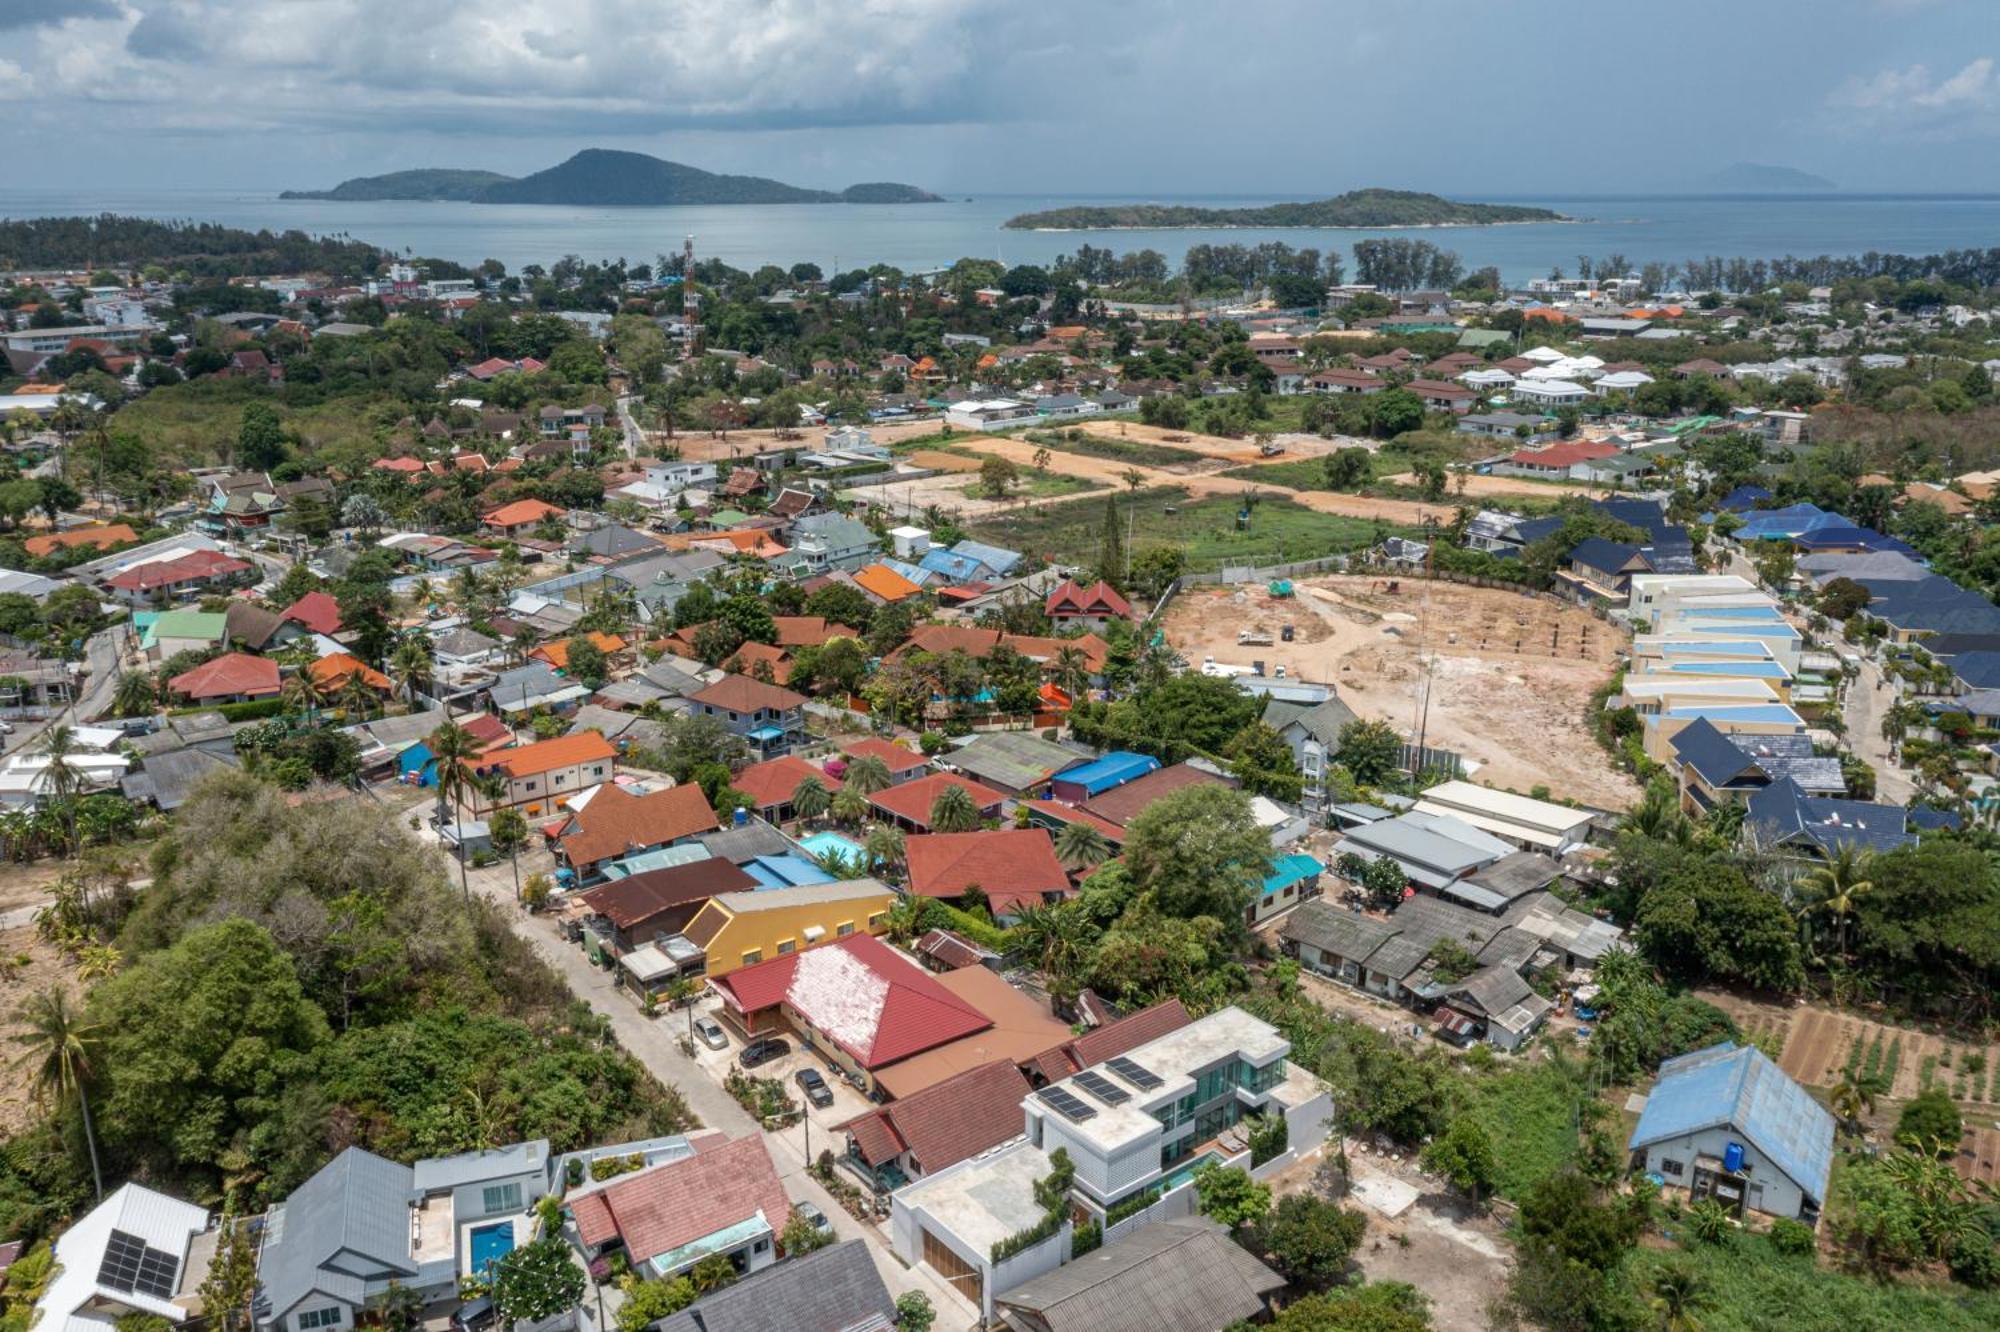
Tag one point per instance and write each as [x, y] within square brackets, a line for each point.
[454, 749]
[1073, 670]
[849, 806]
[63, 778]
[304, 693]
[58, 1045]
[135, 695]
[1080, 845]
[1058, 937]
[953, 811]
[1851, 1098]
[868, 774]
[884, 846]
[412, 667]
[1834, 887]
[810, 799]
[357, 695]
[1678, 1298]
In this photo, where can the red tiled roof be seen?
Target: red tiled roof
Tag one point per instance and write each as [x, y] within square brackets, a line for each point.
[657, 1211]
[231, 673]
[894, 755]
[740, 693]
[860, 994]
[884, 582]
[487, 729]
[548, 755]
[634, 900]
[1122, 804]
[166, 573]
[749, 654]
[556, 654]
[948, 1122]
[938, 639]
[913, 800]
[772, 782]
[808, 630]
[1014, 867]
[335, 669]
[616, 822]
[316, 611]
[1120, 1037]
[104, 538]
[521, 513]
[1071, 598]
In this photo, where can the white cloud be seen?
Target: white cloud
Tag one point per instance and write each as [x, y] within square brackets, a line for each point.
[1913, 101]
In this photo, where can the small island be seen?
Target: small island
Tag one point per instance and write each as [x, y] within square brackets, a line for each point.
[432, 184]
[1356, 209]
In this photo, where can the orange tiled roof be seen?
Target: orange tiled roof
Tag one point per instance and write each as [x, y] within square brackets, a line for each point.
[885, 583]
[335, 669]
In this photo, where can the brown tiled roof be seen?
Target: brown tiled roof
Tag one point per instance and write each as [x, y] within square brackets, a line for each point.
[661, 1209]
[912, 800]
[1122, 804]
[1014, 867]
[772, 782]
[635, 900]
[233, 673]
[894, 755]
[616, 822]
[948, 1122]
[808, 630]
[740, 693]
[1121, 1037]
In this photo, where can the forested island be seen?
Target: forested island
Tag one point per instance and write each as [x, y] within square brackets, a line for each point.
[605, 178]
[200, 249]
[1356, 208]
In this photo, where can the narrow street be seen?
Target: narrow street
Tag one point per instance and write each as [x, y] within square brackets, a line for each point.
[1869, 699]
[654, 1043]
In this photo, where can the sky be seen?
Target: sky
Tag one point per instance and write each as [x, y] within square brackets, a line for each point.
[1165, 98]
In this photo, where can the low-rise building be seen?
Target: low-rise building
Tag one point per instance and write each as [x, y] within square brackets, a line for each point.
[537, 777]
[724, 1199]
[769, 718]
[135, 1254]
[742, 929]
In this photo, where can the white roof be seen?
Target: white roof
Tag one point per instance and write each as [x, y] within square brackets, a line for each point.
[1625, 379]
[1543, 354]
[1540, 822]
[160, 1222]
[1551, 388]
[1487, 376]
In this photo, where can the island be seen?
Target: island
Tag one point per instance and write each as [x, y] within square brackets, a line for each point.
[1356, 209]
[601, 177]
[1757, 178]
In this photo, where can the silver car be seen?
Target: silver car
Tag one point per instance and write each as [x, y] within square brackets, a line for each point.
[711, 1033]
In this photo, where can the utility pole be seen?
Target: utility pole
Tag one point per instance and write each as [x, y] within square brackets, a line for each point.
[690, 300]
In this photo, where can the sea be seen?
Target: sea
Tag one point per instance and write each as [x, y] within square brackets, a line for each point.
[925, 237]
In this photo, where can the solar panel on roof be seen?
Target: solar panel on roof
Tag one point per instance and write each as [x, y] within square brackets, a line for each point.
[1102, 1088]
[1136, 1074]
[129, 1265]
[1066, 1105]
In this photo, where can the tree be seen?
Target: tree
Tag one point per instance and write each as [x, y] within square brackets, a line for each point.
[586, 662]
[1678, 1298]
[1308, 1240]
[63, 778]
[1200, 852]
[1395, 412]
[811, 799]
[1931, 1123]
[1347, 469]
[1262, 762]
[647, 1302]
[453, 751]
[231, 1283]
[536, 1281]
[914, 1312]
[1834, 888]
[883, 846]
[997, 477]
[1111, 547]
[260, 439]
[1371, 750]
[801, 1237]
[868, 774]
[507, 829]
[1464, 1156]
[134, 695]
[412, 667]
[1081, 845]
[849, 806]
[953, 811]
[1229, 1196]
[1378, 1306]
[59, 1058]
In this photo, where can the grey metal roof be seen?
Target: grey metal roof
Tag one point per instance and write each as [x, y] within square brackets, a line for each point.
[1177, 1274]
[1495, 989]
[741, 845]
[358, 1201]
[170, 778]
[1322, 925]
[1509, 877]
[834, 1290]
[1014, 759]
[449, 1172]
[1325, 722]
[1554, 921]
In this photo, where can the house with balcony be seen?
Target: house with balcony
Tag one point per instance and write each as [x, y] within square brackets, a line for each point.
[770, 718]
[536, 778]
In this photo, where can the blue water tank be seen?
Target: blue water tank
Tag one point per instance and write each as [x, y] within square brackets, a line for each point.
[742, 816]
[1732, 1158]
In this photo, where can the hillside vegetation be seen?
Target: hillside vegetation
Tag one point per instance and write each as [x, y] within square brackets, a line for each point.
[429, 183]
[1356, 208]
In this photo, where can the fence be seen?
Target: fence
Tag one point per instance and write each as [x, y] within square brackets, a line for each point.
[1423, 758]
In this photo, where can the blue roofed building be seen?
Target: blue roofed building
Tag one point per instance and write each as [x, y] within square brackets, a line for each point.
[947, 564]
[1782, 817]
[1293, 879]
[785, 871]
[1744, 498]
[1786, 524]
[1095, 778]
[1726, 1123]
[998, 561]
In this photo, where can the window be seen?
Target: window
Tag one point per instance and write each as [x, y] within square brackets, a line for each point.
[313, 1318]
[529, 784]
[1669, 1166]
[501, 1198]
[876, 921]
[752, 957]
[842, 930]
[597, 771]
[787, 947]
[762, 1246]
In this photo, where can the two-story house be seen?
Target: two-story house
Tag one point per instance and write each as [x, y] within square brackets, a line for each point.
[823, 541]
[771, 719]
[536, 777]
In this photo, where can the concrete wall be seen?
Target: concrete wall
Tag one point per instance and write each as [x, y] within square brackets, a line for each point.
[1770, 1192]
[1169, 1206]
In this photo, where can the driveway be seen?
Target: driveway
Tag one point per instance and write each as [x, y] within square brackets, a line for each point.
[654, 1042]
[1869, 698]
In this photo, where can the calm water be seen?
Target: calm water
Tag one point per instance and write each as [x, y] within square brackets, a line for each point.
[925, 236]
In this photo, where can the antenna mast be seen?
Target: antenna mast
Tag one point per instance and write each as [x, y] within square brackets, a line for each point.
[690, 300]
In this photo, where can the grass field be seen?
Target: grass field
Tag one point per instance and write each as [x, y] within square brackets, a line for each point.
[1116, 450]
[1528, 1112]
[1750, 1287]
[194, 423]
[1072, 532]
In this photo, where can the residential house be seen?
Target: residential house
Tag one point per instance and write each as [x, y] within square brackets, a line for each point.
[520, 518]
[1508, 426]
[1346, 381]
[1015, 763]
[656, 904]
[1081, 782]
[1312, 731]
[536, 685]
[770, 784]
[137, 1254]
[836, 1289]
[336, 671]
[725, 1198]
[1440, 395]
[571, 423]
[742, 929]
[163, 581]
[1782, 818]
[945, 1123]
[954, 1220]
[1727, 1124]
[1012, 867]
[234, 677]
[164, 634]
[1092, 608]
[909, 805]
[1127, 801]
[904, 765]
[537, 777]
[1521, 821]
[1182, 1273]
[771, 719]
[614, 823]
[315, 612]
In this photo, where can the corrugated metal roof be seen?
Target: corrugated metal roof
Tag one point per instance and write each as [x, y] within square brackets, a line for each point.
[1738, 1087]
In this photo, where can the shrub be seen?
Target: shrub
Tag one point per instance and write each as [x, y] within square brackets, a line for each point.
[1794, 1239]
[1930, 1123]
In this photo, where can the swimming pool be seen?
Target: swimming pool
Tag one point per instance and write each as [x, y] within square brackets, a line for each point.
[1185, 1175]
[822, 842]
[490, 1244]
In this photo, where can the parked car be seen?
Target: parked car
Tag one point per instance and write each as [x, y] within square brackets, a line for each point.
[817, 1218]
[474, 1315]
[711, 1033]
[763, 1050]
[814, 1086]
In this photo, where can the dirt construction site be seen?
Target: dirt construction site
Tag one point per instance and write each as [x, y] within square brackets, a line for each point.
[1510, 676]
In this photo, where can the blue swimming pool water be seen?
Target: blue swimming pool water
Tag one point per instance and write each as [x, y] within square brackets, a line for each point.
[490, 1244]
[822, 842]
[1186, 1173]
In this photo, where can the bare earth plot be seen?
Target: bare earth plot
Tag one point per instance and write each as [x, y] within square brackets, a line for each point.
[1511, 675]
[1819, 1042]
[27, 967]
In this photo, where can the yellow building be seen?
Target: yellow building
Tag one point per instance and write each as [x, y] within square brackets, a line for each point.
[742, 929]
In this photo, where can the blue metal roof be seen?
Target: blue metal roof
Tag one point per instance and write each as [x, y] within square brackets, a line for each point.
[785, 872]
[997, 558]
[1288, 870]
[1744, 498]
[1739, 1088]
[959, 568]
[1114, 769]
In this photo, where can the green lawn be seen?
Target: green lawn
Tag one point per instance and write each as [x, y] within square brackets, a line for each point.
[1072, 532]
[1527, 1112]
[191, 423]
[1137, 452]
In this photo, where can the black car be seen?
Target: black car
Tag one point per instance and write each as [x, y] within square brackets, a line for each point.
[814, 1086]
[762, 1051]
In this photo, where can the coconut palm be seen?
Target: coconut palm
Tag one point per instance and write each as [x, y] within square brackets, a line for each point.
[1080, 845]
[810, 799]
[849, 806]
[1058, 938]
[62, 778]
[884, 847]
[953, 811]
[304, 693]
[1072, 670]
[868, 774]
[58, 1047]
[412, 667]
[135, 695]
[454, 749]
[1851, 1098]
[1678, 1298]
[1832, 889]
[357, 696]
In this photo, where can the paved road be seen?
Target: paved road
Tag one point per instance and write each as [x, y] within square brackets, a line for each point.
[1869, 698]
[654, 1042]
[635, 438]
